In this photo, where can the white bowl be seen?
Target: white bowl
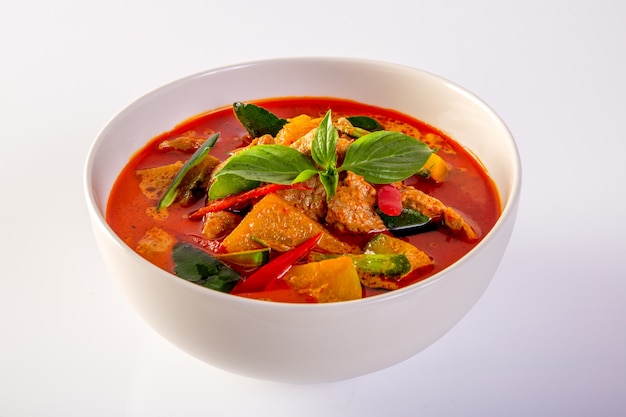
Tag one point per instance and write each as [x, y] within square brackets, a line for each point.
[318, 342]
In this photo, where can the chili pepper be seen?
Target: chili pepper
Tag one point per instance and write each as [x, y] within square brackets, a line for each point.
[220, 204]
[276, 268]
[389, 200]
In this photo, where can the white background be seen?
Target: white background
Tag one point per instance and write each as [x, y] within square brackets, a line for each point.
[547, 339]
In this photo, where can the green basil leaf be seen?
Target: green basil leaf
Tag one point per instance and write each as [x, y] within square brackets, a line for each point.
[256, 120]
[365, 122]
[329, 180]
[195, 265]
[277, 164]
[172, 191]
[305, 175]
[324, 145]
[229, 184]
[385, 157]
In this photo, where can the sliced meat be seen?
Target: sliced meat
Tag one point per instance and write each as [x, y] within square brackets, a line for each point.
[430, 206]
[154, 181]
[219, 224]
[188, 142]
[310, 202]
[352, 207]
[154, 240]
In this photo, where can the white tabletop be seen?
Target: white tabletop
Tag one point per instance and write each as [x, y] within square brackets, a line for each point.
[548, 338]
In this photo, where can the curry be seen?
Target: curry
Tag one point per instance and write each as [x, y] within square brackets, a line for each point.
[303, 199]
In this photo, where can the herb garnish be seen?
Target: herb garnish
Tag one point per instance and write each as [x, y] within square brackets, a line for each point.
[195, 265]
[381, 157]
[256, 120]
[172, 191]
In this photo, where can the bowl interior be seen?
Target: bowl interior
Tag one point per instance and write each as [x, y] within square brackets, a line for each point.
[420, 94]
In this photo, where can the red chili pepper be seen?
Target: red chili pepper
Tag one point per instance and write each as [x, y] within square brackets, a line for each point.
[220, 204]
[276, 268]
[390, 200]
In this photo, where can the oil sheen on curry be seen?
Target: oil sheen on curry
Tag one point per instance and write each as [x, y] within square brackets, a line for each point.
[303, 200]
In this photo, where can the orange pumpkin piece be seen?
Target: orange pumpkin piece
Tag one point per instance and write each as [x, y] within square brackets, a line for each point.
[382, 243]
[281, 226]
[327, 281]
[435, 168]
[296, 128]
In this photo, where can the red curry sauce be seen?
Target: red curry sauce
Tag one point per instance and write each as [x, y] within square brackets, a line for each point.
[467, 189]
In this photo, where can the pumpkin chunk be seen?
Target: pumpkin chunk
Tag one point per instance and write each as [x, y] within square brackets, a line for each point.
[385, 244]
[382, 243]
[327, 281]
[295, 128]
[435, 168]
[276, 222]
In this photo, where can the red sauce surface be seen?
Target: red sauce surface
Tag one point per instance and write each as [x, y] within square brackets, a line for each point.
[467, 189]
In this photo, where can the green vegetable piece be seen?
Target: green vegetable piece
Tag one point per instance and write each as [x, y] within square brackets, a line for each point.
[248, 258]
[197, 266]
[385, 157]
[256, 120]
[409, 222]
[387, 265]
[277, 164]
[381, 157]
[230, 184]
[193, 187]
[383, 243]
[355, 132]
[172, 191]
[324, 153]
[384, 265]
[324, 145]
[330, 180]
[365, 122]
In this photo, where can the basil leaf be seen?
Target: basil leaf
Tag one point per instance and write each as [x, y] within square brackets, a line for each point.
[195, 265]
[256, 120]
[277, 164]
[329, 180]
[229, 184]
[365, 122]
[385, 157]
[305, 175]
[172, 191]
[324, 145]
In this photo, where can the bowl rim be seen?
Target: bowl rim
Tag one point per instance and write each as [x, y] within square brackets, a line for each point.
[509, 209]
